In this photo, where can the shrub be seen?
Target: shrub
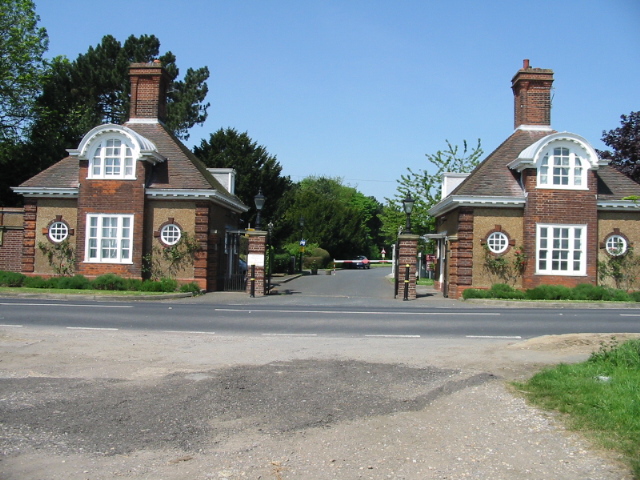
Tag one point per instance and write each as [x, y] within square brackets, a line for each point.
[11, 279]
[133, 284]
[549, 292]
[281, 262]
[36, 282]
[502, 290]
[168, 285]
[635, 296]
[192, 287]
[475, 293]
[587, 291]
[151, 286]
[77, 282]
[109, 281]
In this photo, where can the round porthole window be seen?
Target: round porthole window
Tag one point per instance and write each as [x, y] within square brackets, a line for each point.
[58, 232]
[616, 245]
[497, 242]
[170, 234]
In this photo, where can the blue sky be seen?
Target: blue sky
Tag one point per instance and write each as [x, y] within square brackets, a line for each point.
[364, 89]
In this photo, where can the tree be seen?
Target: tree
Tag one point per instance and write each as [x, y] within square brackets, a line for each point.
[336, 217]
[625, 142]
[256, 169]
[425, 188]
[94, 89]
[22, 45]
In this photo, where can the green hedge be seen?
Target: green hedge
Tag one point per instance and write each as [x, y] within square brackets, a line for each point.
[585, 292]
[108, 281]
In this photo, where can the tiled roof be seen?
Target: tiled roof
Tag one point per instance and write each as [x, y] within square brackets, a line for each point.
[182, 170]
[492, 177]
[63, 174]
[614, 185]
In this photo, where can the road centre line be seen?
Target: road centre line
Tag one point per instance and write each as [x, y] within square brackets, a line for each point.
[289, 334]
[355, 312]
[514, 337]
[93, 328]
[187, 331]
[630, 314]
[11, 326]
[64, 305]
[394, 336]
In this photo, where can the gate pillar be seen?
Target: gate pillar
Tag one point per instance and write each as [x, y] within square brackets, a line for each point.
[407, 256]
[256, 262]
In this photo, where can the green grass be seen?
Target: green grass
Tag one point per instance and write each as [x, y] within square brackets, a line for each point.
[425, 281]
[69, 291]
[600, 397]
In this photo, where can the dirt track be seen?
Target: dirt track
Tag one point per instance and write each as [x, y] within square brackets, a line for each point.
[102, 405]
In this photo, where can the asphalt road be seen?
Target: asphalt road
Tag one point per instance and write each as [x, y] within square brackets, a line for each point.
[353, 303]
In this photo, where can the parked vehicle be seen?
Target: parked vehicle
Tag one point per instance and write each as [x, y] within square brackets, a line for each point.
[362, 262]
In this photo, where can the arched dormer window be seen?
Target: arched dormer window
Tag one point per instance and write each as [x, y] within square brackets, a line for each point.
[112, 158]
[562, 167]
[562, 161]
[113, 150]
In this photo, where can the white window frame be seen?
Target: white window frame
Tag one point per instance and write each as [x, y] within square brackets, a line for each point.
[58, 232]
[558, 251]
[560, 167]
[498, 242]
[170, 234]
[113, 159]
[109, 238]
[616, 245]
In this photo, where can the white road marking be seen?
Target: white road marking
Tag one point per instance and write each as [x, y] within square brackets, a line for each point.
[289, 334]
[330, 312]
[11, 326]
[66, 305]
[630, 314]
[495, 336]
[92, 328]
[186, 331]
[394, 336]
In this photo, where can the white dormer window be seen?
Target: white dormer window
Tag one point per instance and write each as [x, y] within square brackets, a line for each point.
[112, 158]
[561, 167]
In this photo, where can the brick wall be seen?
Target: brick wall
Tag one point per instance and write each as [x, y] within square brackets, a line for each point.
[532, 96]
[461, 254]
[117, 197]
[571, 207]
[11, 239]
[407, 255]
[148, 91]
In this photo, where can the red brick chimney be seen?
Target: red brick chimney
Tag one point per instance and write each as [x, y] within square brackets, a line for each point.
[532, 96]
[149, 83]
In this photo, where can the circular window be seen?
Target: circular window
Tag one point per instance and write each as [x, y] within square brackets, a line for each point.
[58, 232]
[497, 242]
[616, 245]
[170, 234]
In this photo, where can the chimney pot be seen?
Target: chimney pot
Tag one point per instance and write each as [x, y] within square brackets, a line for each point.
[525, 63]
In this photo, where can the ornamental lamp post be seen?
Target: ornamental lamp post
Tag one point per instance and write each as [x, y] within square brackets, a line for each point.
[407, 205]
[270, 252]
[259, 200]
[301, 240]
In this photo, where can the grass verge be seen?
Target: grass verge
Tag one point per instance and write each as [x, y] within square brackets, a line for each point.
[600, 397]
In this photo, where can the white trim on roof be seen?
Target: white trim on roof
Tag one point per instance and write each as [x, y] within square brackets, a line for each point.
[46, 192]
[529, 157]
[455, 201]
[143, 148]
[535, 128]
[197, 194]
[617, 205]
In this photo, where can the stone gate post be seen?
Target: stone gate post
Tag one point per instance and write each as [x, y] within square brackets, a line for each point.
[407, 255]
[256, 258]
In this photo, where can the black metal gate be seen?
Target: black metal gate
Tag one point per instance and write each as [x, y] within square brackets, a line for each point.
[234, 271]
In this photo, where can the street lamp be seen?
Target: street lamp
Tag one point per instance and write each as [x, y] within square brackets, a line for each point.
[270, 252]
[407, 205]
[301, 240]
[259, 200]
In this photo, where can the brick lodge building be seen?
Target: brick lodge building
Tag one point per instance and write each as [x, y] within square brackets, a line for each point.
[543, 200]
[123, 195]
